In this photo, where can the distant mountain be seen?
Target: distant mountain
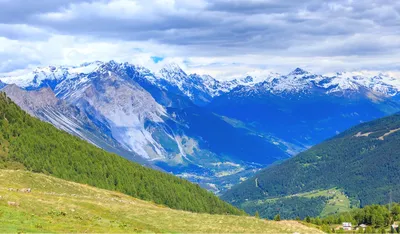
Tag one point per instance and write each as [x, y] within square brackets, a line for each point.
[29, 144]
[303, 109]
[202, 88]
[362, 162]
[215, 133]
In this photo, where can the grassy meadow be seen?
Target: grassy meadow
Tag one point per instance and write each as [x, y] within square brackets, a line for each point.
[56, 205]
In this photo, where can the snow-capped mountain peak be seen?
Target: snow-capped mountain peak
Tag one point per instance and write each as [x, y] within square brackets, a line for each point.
[379, 82]
[255, 77]
[299, 80]
[298, 71]
[96, 63]
[172, 68]
[85, 68]
[248, 79]
[174, 74]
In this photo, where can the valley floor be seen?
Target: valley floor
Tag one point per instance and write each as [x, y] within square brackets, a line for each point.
[56, 205]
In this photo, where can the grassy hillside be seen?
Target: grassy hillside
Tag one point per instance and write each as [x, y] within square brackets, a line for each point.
[315, 203]
[363, 162]
[27, 143]
[56, 205]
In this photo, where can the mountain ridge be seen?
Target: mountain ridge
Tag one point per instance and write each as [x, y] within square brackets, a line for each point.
[172, 75]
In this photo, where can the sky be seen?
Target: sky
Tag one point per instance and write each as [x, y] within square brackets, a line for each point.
[223, 38]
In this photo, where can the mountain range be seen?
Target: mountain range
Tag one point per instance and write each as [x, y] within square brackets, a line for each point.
[215, 133]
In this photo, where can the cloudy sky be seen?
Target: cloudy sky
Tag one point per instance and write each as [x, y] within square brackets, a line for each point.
[219, 37]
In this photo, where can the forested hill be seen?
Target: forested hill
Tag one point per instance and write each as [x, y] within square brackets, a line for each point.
[363, 162]
[27, 143]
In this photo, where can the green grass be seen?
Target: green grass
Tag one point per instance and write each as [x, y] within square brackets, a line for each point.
[56, 205]
[339, 203]
[322, 202]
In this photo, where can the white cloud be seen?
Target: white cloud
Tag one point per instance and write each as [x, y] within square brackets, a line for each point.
[223, 38]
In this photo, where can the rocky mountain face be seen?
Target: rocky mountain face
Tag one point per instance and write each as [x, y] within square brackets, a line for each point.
[212, 132]
[46, 106]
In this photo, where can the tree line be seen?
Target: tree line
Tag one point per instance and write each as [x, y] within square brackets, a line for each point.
[378, 218]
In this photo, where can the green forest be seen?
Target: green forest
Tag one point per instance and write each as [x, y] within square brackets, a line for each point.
[288, 208]
[29, 144]
[362, 161]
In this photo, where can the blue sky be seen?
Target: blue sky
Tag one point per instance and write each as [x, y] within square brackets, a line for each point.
[157, 59]
[218, 37]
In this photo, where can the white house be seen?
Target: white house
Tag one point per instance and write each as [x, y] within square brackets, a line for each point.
[347, 226]
[361, 226]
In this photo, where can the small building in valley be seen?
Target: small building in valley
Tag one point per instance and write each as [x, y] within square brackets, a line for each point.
[347, 226]
[362, 226]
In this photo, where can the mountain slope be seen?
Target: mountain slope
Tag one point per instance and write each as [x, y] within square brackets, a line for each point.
[29, 143]
[44, 105]
[362, 161]
[125, 107]
[56, 205]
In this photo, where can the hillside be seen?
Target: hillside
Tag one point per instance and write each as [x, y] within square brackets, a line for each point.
[56, 205]
[27, 143]
[363, 162]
